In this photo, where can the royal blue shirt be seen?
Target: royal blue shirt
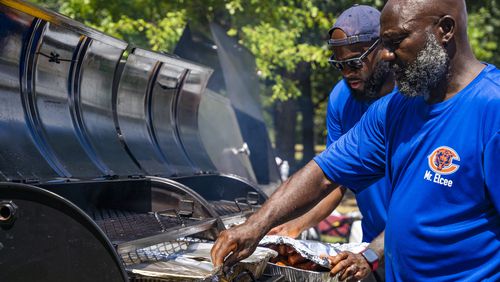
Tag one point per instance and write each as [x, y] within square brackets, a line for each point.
[442, 162]
[343, 112]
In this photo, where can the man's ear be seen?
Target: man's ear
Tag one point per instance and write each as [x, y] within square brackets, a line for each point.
[446, 26]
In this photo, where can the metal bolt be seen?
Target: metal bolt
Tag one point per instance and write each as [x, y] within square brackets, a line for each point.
[7, 212]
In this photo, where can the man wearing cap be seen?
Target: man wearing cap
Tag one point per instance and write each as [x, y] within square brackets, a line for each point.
[437, 140]
[356, 54]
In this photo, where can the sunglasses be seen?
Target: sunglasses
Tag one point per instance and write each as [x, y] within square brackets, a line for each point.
[353, 63]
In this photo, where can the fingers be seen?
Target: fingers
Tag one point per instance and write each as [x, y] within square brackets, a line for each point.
[276, 230]
[349, 266]
[349, 273]
[273, 232]
[236, 256]
[340, 267]
[222, 247]
[338, 262]
[361, 274]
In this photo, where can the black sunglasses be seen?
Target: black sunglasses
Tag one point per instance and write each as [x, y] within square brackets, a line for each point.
[354, 63]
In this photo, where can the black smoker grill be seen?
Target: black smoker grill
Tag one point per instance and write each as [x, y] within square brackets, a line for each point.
[101, 153]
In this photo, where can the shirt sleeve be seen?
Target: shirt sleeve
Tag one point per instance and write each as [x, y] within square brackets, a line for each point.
[357, 158]
[333, 125]
[491, 172]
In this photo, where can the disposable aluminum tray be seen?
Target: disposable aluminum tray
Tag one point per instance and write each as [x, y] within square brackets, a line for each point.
[298, 275]
[311, 250]
[191, 262]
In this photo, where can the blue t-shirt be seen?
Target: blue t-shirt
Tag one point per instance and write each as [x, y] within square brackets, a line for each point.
[343, 112]
[442, 162]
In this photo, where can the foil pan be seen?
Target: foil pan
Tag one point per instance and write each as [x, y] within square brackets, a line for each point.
[298, 275]
[312, 250]
[194, 264]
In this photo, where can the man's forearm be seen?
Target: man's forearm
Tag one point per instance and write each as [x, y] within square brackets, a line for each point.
[319, 212]
[294, 197]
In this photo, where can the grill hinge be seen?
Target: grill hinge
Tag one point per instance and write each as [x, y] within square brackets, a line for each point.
[28, 181]
[136, 176]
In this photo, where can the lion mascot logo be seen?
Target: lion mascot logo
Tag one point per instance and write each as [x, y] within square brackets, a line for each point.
[441, 160]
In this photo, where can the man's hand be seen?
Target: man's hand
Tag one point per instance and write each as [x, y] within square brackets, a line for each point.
[349, 266]
[238, 242]
[294, 197]
[287, 229]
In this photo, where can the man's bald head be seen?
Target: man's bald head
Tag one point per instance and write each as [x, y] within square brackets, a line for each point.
[415, 33]
[449, 15]
[415, 8]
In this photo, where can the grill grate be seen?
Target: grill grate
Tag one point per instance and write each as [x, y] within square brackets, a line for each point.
[122, 226]
[227, 207]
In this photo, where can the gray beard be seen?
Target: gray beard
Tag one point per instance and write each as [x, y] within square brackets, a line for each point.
[423, 75]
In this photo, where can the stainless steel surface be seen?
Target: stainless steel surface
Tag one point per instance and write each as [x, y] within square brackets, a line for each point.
[134, 94]
[187, 118]
[220, 133]
[170, 234]
[21, 159]
[65, 99]
[157, 107]
[53, 112]
[185, 106]
[93, 109]
[166, 91]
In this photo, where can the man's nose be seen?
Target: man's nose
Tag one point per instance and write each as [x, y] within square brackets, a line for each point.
[387, 55]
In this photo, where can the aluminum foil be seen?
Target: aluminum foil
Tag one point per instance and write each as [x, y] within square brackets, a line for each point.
[194, 264]
[312, 250]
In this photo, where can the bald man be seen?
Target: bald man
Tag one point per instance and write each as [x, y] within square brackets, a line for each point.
[438, 141]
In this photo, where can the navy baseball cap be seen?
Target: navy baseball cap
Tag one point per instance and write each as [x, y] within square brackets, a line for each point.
[360, 23]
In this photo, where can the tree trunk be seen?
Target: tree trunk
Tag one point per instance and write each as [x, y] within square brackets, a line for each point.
[307, 110]
[285, 121]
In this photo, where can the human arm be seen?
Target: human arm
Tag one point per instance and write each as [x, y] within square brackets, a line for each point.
[357, 159]
[354, 266]
[295, 196]
[312, 218]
